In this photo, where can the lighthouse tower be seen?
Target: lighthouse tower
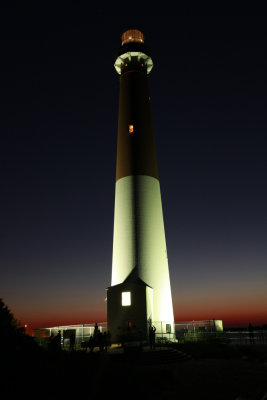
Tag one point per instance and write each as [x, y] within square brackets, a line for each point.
[140, 292]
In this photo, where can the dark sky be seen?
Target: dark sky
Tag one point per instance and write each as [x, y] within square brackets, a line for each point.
[58, 125]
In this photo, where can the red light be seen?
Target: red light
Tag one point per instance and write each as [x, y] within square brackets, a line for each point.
[131, 129]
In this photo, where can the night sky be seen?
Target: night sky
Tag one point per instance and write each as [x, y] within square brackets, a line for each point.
[58, 125]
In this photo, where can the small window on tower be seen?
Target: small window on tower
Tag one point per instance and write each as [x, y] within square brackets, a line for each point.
[126, 298]
[131, 129]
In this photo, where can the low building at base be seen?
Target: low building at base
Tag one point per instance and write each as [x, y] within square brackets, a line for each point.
[83, 332]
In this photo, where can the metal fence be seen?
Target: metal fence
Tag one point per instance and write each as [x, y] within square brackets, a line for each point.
[246, 337]
[208, 325]
[232, 337]
[165, 332]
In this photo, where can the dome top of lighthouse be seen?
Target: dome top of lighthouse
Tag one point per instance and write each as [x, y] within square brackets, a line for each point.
[132, 35]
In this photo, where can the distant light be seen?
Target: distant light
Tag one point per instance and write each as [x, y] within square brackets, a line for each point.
[131, 129]
[126, 298]
[25, 326]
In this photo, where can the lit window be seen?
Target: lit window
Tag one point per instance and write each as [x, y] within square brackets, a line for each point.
[126, 298]
[131, 129]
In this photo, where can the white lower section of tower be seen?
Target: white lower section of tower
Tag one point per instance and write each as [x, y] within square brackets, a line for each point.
[139, 241]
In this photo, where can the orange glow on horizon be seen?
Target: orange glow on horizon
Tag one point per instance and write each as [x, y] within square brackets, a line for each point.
[230, 319]
[234, 309]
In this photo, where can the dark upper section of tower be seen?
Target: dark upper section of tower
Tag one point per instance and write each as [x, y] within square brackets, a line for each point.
[136, 153]
[133, 53]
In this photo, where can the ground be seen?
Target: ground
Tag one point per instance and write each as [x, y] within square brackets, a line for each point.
[196, 378]
[213, 371]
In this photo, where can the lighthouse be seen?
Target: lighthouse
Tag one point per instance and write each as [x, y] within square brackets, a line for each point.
[140, 293]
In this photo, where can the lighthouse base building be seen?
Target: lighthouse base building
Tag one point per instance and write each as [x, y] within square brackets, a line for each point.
[130, 309]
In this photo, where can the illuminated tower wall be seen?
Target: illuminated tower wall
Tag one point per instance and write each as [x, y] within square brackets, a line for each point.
[139, 245]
